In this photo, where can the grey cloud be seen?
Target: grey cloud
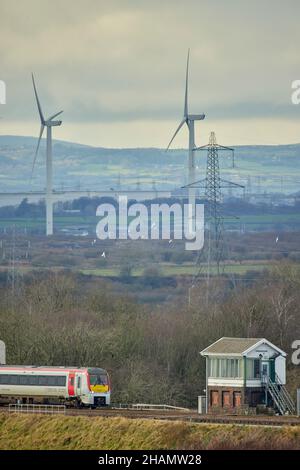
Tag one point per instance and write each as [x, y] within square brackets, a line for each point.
[124, 60]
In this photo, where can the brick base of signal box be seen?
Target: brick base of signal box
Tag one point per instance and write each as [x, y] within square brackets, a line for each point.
[233, 400]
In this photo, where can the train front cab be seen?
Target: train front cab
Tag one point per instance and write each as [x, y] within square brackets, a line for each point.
[99, 387]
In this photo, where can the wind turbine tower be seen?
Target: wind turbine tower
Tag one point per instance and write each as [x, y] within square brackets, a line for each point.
[189, 120]
[48, 123]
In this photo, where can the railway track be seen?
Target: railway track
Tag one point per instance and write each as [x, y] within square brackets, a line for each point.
[175, 415]
[191, 416]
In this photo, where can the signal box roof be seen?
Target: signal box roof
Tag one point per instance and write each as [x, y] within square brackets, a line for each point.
[237, 346]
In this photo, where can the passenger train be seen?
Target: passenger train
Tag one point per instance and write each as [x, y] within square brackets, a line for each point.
[74, 386]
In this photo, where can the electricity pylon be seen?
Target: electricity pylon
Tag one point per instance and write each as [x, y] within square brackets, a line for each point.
[211, 259]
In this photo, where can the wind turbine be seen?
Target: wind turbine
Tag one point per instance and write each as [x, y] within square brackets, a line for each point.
[189, 120]
[48, 123]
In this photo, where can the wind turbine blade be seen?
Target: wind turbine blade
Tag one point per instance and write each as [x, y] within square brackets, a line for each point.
[38, 101]
[186, 85]
[176, 132]
[54, 115]
[37, 149]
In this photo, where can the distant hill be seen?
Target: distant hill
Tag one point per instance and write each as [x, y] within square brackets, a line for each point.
[270, 168]
[23, 140]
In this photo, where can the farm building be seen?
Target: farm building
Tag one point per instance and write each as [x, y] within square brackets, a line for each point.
[244, 375]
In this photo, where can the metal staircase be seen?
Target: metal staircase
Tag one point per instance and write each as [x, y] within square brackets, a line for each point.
[280, 396]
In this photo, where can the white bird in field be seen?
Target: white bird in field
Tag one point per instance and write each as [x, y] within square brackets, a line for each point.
[103, 254]
[277, 238]
[170, 241]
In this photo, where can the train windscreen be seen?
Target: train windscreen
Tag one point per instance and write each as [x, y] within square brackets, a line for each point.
[98, 379]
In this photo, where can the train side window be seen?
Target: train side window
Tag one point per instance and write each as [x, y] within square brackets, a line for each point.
[14, 379]
[61, 381]
[24, 380]
[72, 381]
[52, 380]
[33, 380]
[43, 380]
[78, 382]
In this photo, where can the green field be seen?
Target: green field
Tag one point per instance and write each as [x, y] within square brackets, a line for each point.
[254, 221]
[163, 270]
[59, 222]
[268, 219]
[177, 270]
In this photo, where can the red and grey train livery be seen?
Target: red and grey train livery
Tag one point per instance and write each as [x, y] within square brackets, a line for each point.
[78, 386]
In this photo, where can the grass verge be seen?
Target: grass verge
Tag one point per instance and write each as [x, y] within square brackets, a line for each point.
[68, 432]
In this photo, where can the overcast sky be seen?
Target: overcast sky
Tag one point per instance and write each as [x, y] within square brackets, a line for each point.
[117, 69]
